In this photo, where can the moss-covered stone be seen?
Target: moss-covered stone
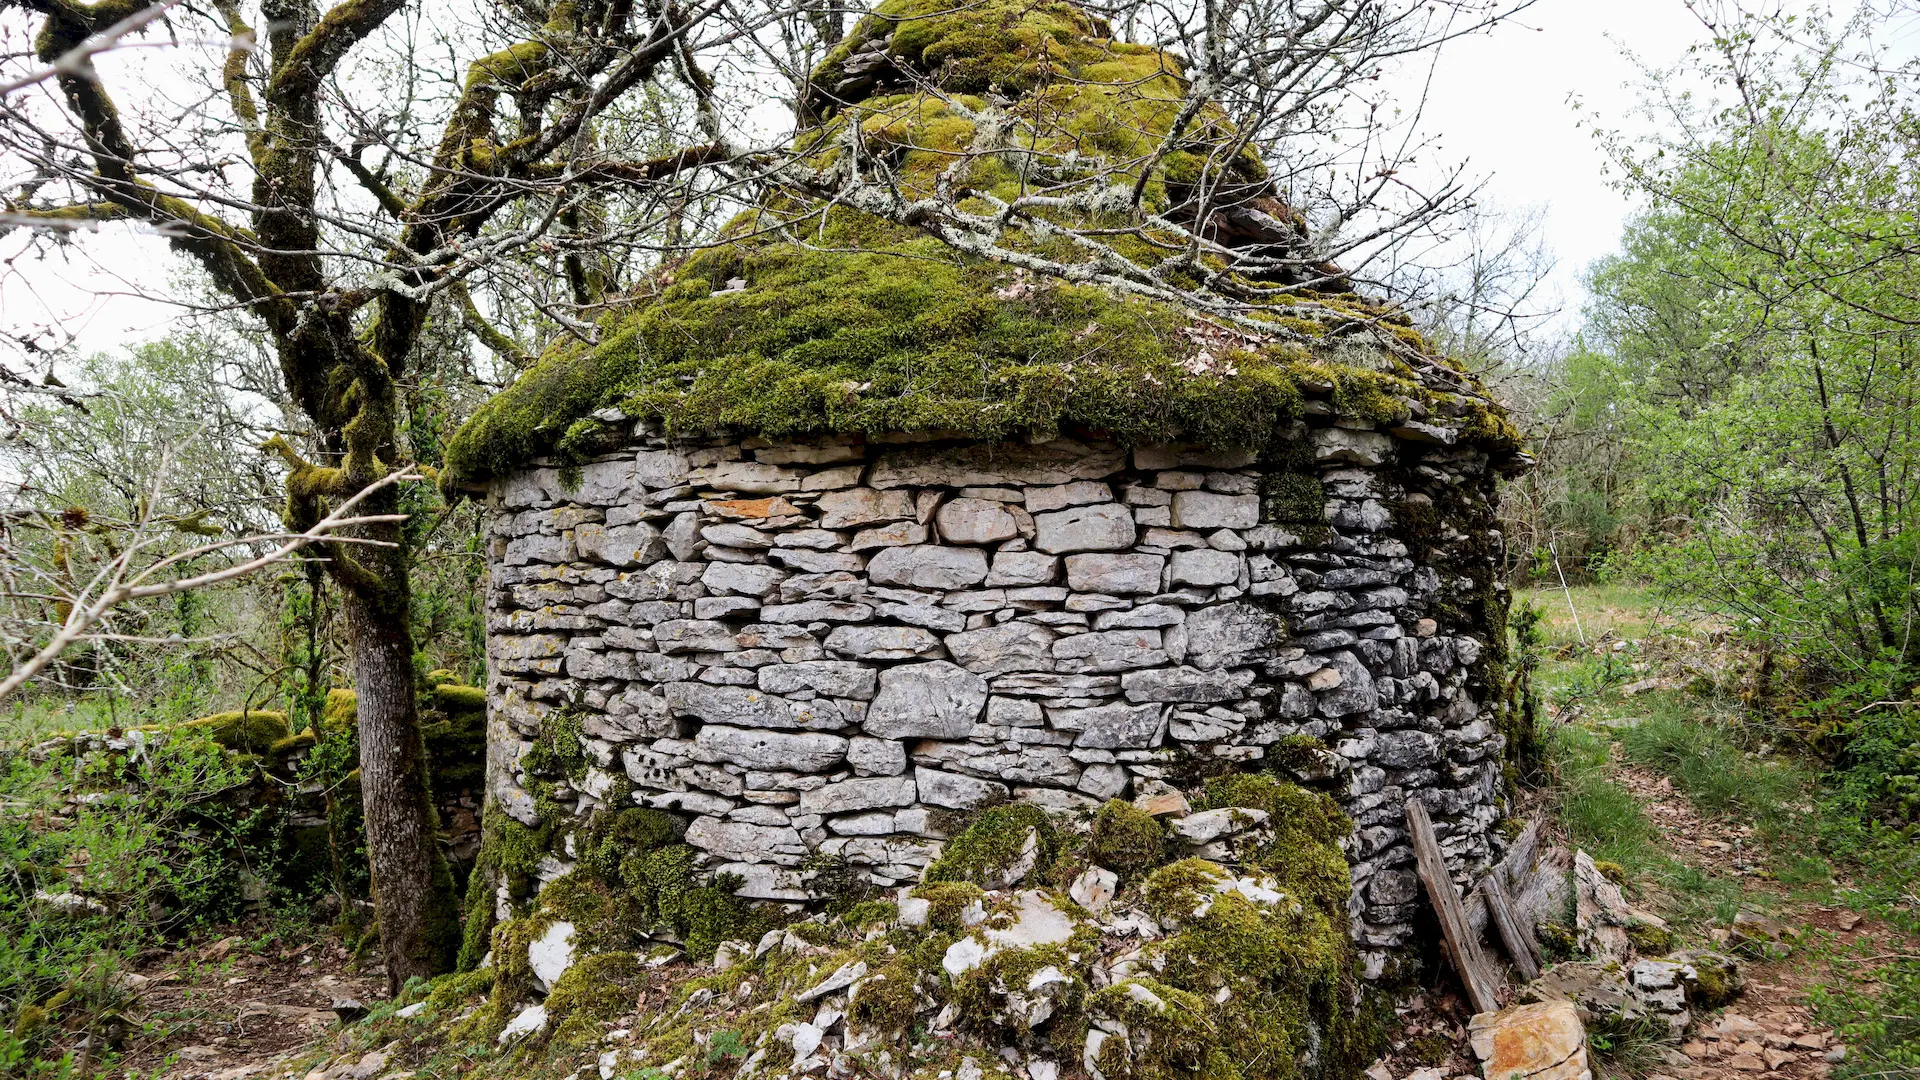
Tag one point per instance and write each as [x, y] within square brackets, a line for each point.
[1304, 853]
[595, 989]
[254, 731]
[1126, 839]
[876, 328]
[994, 841]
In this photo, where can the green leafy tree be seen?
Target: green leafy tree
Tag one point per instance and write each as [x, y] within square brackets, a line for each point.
[1758, 342]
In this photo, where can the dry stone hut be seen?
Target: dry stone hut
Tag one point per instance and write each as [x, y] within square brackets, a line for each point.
[824, 547]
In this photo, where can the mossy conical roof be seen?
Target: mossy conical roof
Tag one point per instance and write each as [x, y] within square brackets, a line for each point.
[809, 319]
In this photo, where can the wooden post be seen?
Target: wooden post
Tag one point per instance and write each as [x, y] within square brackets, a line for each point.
[1462, 945]
[1514, 933]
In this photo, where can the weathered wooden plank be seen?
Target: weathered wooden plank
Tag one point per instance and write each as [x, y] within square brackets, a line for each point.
[1514, 933]
[1515, 871]
[1462, 944]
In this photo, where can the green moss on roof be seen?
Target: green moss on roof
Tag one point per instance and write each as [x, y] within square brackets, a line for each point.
[849, 324]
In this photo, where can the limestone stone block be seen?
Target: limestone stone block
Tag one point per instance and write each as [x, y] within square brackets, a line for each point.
[1352, 692]
[735, 535]
[659, 469]
[740, 842]
[1005, 711]
[1109, 650]
[934, 700]
[811, 539]
[694, 635]
[883, 642]
[1103, 781]
[877, 757]
[747, 706]
[955, 791]
[1101, 527]
[1211, 510]
[1058, 462]
[929, 616]
[760, 881]
[849, 796]
[1112, 727]
[816, 611]
[819, 562]
[1117, 574]
[854, 507]
[1350, 446]
[1022, 568]
[1186, 684]
[1060, 496]
[995, 650]
[744, 579]
[1205, 567]
[929, 567]
[827, 453]
[1230, 635]
[892, 534]
[1542, 1041]
[976, 521]
[835, 678]
[682, 536]
[749, 478]
[539, 548]
[760, 749]
[1144, 615]
[603, 483]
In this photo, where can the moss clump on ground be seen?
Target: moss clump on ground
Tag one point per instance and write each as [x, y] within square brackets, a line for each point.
[947, 901]
[994, 842]
[1304, 853]
[1650, 940]
[1126, 839]
[596, 989]
[875, 328]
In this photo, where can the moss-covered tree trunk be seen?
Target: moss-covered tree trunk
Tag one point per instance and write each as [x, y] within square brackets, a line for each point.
[412, 888]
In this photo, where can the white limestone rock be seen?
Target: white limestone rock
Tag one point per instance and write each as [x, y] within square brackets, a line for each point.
[551, 954]
[975, 521]
[1102, 527]
[929, 567]
[934, 700]
[806, 752]
[883, 642]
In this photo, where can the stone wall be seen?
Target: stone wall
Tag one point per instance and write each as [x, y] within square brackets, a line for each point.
[840, 647]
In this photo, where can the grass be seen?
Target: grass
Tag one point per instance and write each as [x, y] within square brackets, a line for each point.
[1723, 759]
[1589, 613]
[1697, 744]
[1600, 815]
[22, 720]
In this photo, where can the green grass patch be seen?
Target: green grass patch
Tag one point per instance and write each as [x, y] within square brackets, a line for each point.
[1601, 816]
[1705, 759]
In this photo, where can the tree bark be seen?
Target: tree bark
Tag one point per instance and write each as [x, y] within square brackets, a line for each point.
[412, 890]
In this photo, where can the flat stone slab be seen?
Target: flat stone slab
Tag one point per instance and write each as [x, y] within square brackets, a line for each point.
[1544, 1041]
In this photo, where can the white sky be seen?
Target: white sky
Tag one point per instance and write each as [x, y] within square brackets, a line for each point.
[1500, 102]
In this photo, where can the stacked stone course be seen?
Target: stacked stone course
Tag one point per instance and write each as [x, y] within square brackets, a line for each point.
[840, 646]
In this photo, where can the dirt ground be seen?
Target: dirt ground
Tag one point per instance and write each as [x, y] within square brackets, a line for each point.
[229, 1008]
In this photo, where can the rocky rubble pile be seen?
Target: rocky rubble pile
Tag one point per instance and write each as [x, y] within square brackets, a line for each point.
[1208, 938]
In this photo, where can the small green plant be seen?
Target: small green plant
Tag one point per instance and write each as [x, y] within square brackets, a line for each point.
[102, 856]
[725, 1046]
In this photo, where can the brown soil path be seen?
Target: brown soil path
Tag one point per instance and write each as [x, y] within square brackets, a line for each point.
[228, 1009]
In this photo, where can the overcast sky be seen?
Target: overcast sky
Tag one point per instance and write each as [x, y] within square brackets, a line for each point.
[1501, 102]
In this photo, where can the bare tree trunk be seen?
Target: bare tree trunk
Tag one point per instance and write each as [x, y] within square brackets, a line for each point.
[412, 889]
